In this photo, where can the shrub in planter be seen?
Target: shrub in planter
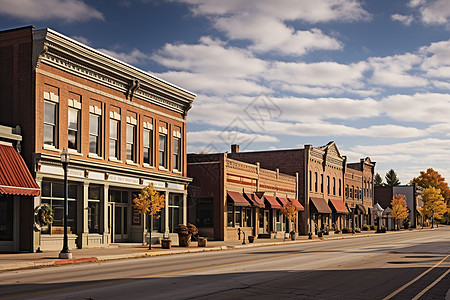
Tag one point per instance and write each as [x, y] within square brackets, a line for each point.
[166, 243]
[202, 241]
[346, 230]
[184, 237]
[337, 231]
[251, 239]
[320, 233]
[365, 227]
[372, 227]
[357, 230]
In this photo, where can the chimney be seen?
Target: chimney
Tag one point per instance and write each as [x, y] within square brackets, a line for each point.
[234, 148]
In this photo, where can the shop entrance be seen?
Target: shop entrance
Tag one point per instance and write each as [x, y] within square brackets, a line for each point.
[118, 215]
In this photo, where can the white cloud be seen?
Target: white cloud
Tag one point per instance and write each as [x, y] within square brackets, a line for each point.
[134, 57]
[435, 12]
[406, 20]
[228, 137]
[395, 71]
[81, 39]
[426, 107]
[437, 59]
[66, 10]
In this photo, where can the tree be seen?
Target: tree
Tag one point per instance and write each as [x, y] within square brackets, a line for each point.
[391, 178]
[290, 212]
[433, 203]
[431, 178]
[378, 181]
[399, 209]
[151, 202]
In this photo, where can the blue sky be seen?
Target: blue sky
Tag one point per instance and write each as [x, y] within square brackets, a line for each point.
[373, 76]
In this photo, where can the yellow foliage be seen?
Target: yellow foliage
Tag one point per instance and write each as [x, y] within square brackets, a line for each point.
[289, 211]
[433, 200]
[149, 201]
[399, 209]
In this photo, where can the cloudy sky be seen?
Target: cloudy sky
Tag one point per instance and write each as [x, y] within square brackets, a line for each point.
[373, 75]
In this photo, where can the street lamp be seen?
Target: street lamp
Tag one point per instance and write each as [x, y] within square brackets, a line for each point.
[65, 252]
[432, 218]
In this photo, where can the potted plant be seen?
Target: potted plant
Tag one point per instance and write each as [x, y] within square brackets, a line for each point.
[202, 241]
[166, 243]
[320, 233]
[251, 238]
[184, 237]
[292, 234]
[193, 231]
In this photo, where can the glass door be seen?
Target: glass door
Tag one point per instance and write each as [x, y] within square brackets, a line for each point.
[120, 223]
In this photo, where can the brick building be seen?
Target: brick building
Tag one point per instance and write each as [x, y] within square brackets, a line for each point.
[229, 198]
[123, 128]
[321, 182]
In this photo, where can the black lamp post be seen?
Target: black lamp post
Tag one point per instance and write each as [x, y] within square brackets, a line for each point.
[65, 252]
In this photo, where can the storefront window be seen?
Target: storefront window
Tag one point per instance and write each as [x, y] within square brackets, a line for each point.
[248, 217]
[94, 209]
[237, 216]
[53, 194]
[6, 218]
[174, 211]
[230, 216]
[204, 212]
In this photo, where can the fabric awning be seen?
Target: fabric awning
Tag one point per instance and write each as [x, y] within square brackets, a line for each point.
[361, 208]
[238, 199]
[15, 178]
[283, 201]
[321, 205]
[272, 202]
[339, 206]
[297, 204]
[254, 200]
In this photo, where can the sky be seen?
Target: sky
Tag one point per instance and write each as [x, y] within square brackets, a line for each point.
[373, 75]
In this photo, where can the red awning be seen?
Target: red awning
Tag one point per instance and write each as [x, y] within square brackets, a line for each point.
[283, 201]
[254, 200]
[238, 199]
[272, 202]
[339, 206]
[297, 204]
[321, 205]
[15, 178]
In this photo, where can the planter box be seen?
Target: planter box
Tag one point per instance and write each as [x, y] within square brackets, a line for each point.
[202, 241]
[166, 243]
[184, 240]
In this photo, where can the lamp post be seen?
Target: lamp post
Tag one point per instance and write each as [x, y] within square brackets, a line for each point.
[65, 252]
[432, 218]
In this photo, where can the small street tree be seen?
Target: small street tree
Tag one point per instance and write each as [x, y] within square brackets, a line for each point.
[391, 178]
[378, 181]
[290, 212]
[151, 202]
[399, 209]
[433, 203]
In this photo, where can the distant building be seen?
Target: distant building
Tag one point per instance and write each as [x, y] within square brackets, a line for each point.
[229, 198]
[123, 127]
[413, 196]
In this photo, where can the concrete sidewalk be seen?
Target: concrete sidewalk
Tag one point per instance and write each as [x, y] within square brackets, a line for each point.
[17, 261]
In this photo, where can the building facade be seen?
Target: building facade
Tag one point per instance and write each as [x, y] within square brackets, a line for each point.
[229, 198]
[124, 129]
[321, 176]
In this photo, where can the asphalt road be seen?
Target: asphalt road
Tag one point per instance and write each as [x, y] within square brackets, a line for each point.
[386, 266]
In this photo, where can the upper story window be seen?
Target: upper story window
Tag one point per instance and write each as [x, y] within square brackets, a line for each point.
[340, 187]
[131, 139]
[328, 185]
[51, 102]
[310, 180]
[334, 186]
[316, 178]
[114, 135]
[95, 130]
[176, 160]
[321, 183]
[162, 147]
[148, 144]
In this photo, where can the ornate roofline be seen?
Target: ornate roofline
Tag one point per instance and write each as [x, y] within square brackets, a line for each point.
[57, 50]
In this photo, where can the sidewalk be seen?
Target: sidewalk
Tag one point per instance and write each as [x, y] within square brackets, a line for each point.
[17, 261]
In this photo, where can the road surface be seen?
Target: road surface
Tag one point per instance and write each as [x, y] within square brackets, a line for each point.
[407, 265]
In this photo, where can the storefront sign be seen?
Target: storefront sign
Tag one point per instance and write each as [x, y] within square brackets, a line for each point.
[96, 175]
[136, 217]
[75, 173]
[123, 179]
[175, 186]
[156, 184]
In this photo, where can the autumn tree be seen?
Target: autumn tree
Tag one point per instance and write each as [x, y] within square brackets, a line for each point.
[433, 203]
[432, 178]
[290, 212]
[378, 181]
[391, 178]
[399, 209]
[149, 201]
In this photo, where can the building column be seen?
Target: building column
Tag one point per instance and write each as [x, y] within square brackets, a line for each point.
[166, 214]
[185, 207]
[84, 232]
[105, 225]
[36, 235]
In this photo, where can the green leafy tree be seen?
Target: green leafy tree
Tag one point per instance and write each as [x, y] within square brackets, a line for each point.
[391, 178]
[433, 203]
[378, 181]
[151, 202]
[399, 209]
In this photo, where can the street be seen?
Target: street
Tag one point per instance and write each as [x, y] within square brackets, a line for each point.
[407, 265]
